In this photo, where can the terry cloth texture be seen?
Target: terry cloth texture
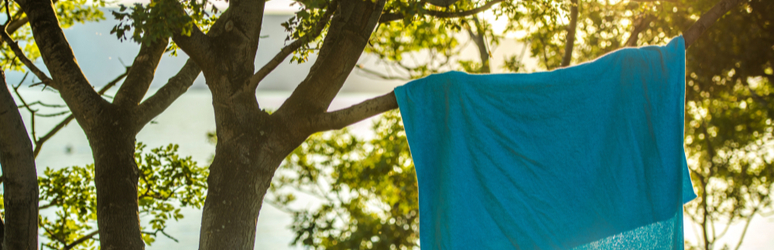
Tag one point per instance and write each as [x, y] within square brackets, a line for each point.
[585, 157]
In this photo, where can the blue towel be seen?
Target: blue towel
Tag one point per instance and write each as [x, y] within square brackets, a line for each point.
[584, 157]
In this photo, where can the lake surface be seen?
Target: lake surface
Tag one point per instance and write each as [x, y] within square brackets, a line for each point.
[185, 123]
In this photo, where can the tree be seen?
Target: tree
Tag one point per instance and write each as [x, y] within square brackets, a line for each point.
[20, 229]
[110, 127]
[727, 95]
[19, 178]
[251, 142]
[167, 183]
[733, 186]
[368, 189]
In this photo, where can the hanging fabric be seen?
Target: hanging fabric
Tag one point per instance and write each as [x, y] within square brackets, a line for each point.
[586, 157]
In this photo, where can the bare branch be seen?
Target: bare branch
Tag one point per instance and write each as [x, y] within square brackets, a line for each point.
[47, 105]
[570, 34]
[345, 117]
[707, 20]
[39, 142]
[744, 231]
[176, 86]
[380, 75]
[60, 60]
[308, 37]
[478, 38]
[139, 78]
[640, 24]
[26, 106]
[81, 240]
[389, 17]
[13, 26]
[26, 61]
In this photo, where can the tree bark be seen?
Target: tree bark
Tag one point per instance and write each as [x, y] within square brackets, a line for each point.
[21, 182]
[247, 154]
[478, 38]
[116, 176]
[568, 46]
[110, 127]
[707, 20]
[251, 143]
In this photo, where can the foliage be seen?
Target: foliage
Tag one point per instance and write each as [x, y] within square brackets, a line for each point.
[728, 128]
[168, 182]
[68, 13]
[302, 23]
[420, 45]
[728, 121]
[367, 188]
[160, 20]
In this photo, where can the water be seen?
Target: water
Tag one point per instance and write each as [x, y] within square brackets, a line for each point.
[185, 123]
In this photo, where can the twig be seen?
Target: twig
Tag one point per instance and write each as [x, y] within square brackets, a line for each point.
[53, 114]
[20, 54]
[389, 17]
[8, 13]
[380, 75]
[162, 232]
[47, 105]
[39, 142]
[81, 240]
[746, 225]
[25, 105]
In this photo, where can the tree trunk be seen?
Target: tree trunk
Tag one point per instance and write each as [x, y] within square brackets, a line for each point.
[21, 182]
[478, 38]
[570, 33]
[116, 177]
[248, 153]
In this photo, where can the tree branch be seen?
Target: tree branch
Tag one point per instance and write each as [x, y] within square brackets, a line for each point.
[176, 86]
[15, 24]
[197, 46]
[10, 28]
[570, 33]
[60, 60]
[380, 75]
[348, 35]
[287, 50]
[20, 230]
[478, 39]
[389, 17]
[707, 20]
[26, 61]
[140, 76]
[341, 118]
[81, 240]
[26, 106]
[640, 24]
[744, 231]
[39, 142]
